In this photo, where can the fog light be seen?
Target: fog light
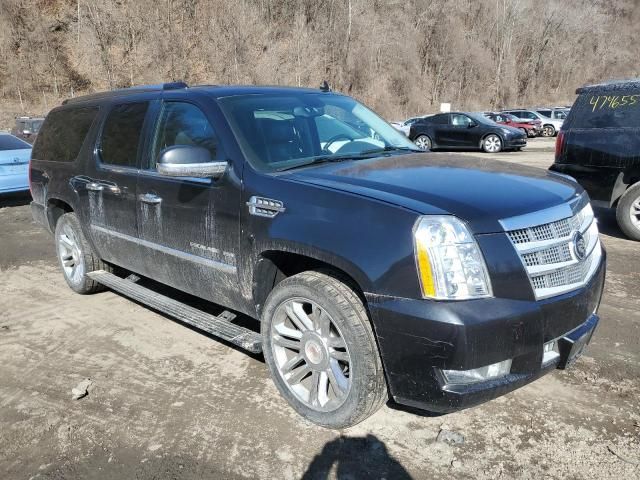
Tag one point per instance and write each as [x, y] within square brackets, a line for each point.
[489, 372]
[550, 352]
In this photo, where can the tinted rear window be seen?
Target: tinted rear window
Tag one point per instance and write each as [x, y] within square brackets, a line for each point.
[9, 142]
[121, 134]
[63, 134]
[593, 110]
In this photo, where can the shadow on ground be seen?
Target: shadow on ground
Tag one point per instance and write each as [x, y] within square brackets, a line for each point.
[607, 223]
[357, 457]
[15, 199]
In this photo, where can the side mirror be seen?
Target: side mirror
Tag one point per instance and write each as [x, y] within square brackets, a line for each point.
[26, 132]
[189, 161]
[472, 125]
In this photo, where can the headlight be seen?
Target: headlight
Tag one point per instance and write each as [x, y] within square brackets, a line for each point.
[450, 264]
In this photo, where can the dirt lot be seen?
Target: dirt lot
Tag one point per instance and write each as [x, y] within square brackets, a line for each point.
[169, 402]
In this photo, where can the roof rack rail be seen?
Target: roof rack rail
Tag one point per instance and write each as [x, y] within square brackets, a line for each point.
[128, 91]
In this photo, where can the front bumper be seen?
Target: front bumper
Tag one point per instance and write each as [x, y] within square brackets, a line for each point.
[517, 142]
[418, 339]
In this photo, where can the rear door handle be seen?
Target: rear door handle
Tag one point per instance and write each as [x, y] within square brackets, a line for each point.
[150, 198]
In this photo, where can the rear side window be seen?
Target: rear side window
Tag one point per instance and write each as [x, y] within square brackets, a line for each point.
[594, 110]
[9, 142]
[63, 133]
[439, 119]
[121, 134]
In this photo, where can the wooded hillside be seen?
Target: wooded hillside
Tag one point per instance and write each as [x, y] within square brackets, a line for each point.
[400, 57]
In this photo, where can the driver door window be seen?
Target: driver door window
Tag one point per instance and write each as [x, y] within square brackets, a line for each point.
[182, 123]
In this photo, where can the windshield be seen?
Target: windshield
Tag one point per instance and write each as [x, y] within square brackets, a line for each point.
[284, 131]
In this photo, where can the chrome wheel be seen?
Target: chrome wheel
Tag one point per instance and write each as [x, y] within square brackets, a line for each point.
[70, 256]
[548, 131]
[423, 142]
[634, 212]
[311, 355]
[492, 144]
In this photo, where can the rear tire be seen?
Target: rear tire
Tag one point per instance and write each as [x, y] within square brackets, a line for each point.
[321, 351]
[628, 212]
[75, 256]
[423, 142]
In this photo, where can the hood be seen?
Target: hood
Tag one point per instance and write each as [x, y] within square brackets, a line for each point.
[479, 191]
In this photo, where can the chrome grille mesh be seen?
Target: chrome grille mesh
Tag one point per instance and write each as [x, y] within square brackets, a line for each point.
[548, 252]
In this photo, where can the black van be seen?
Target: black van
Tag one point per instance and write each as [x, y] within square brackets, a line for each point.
[599, 145]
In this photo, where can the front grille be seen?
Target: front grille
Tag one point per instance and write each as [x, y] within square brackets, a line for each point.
[550, 253]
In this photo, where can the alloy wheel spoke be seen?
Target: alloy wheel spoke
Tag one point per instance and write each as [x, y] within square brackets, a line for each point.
[323, 322]
[287, 343]
[323, 387]
[285, 331]
[66, 241]
[337, 379]
[291, 363]
[295, 312]
[68, 261]
[313, 391]
[298, 374]
[342, 356]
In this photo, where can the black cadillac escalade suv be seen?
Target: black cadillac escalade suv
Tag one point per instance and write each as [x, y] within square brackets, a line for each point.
[373, 270]
[599, 145]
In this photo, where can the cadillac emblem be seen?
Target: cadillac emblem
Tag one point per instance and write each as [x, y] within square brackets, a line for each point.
[579, 246]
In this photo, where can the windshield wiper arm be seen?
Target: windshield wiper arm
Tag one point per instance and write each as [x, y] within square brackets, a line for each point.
[389, 148]
[325, 159]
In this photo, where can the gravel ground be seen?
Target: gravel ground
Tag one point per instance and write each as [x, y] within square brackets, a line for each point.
[169, 402]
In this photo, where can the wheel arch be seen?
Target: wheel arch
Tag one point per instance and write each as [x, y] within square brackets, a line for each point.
[498, 134]
[56, 207]
[273, 266]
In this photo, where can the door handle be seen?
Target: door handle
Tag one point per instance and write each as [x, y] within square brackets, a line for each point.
[150, 198]
[94, 187]
[113, 189]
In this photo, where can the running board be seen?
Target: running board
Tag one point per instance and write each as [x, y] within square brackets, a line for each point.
[219, 326]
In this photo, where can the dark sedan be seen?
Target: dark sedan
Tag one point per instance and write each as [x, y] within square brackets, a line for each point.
[465, 131]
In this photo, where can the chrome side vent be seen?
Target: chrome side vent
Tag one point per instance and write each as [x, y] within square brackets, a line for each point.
[265, 207]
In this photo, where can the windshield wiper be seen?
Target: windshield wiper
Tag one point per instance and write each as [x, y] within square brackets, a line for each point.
[389, 148]
[351, 156]
[325, 159]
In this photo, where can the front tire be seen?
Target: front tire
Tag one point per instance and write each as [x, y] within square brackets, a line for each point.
[423, 142]
[75, 256]
[628, 212]
[492, 143]
[321, 350]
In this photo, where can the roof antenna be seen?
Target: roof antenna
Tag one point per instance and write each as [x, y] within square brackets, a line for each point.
[324, 86]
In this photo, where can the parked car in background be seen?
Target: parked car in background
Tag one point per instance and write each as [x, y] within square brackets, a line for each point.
[532, 128]
[553, 113]
[599, 145]
[465, 131]
[14, 163]
[27, 128]
[550, 126]
[405, 126]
